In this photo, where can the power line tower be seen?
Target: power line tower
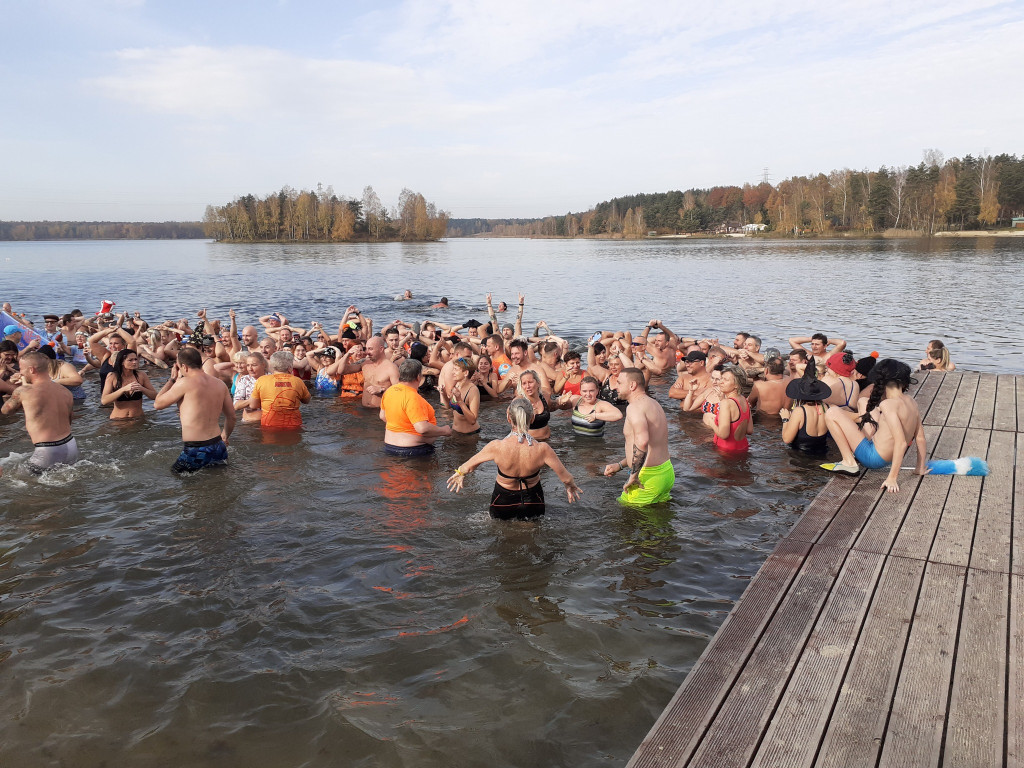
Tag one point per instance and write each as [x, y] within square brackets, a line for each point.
[765, 176]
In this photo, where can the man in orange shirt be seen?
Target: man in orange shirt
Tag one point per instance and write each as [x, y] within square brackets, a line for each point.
[279, 394]
[411, 426]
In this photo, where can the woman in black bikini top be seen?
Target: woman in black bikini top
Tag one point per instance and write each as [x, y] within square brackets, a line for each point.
[529, 386]
[517, 492]
[125, 387]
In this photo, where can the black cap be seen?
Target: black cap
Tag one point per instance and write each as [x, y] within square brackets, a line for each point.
[695, 357]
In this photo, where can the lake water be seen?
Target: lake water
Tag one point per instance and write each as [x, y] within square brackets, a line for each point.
[322, 604]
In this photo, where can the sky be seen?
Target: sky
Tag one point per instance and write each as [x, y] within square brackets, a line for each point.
[131, 110]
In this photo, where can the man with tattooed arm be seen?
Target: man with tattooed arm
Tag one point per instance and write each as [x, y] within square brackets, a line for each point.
[651, 476]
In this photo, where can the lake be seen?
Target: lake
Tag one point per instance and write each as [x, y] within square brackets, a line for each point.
[322, 604]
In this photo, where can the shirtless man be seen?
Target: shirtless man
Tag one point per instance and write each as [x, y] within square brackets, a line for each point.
[769, 396]
[251, 339]
[379, 373]
[517, 352]
[749, 356]
[694, 377]
[660, 354]
[651, 476]
[819, 345]
[392, 344]
[48, 412]
[201, 399]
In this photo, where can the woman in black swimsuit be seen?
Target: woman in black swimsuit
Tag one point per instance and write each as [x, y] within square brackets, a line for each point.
[529, 387]
[125, 387]
[803, 426]
[517, 492]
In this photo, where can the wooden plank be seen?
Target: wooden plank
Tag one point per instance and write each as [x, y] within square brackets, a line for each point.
[922, 519]
[843, 529]
[743, 716]
[854, 733]
[682, 724]
[938, 412]
[977, 702]
[984, 402]
[1015, 678]
[823, 509]
[955, 533]
[1005, 417]
[1020, 403]
[993, 533]
[1017, 528]
[926, 390]
[914, 733]
[963, 404]
[799, 722]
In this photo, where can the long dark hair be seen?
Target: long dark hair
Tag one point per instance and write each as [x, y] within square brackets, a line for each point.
[885, 372]
[119, 366]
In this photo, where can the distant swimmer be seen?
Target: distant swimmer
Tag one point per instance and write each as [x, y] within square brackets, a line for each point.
[517, 492]
[201, 399]
[442, 304]
[404, 296]
[48, 412]
[651, 476]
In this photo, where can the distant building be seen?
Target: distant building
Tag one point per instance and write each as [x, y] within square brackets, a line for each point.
[1017, 222]
[754, 227]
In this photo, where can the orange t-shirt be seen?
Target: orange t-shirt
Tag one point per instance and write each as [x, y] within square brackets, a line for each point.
[501, 364]
[404, 406]
[280, 392]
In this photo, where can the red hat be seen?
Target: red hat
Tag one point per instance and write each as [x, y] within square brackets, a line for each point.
[838, 363]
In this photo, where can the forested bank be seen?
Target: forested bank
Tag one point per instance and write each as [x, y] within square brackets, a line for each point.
[935, 195]
[323, 216]
[101, 230]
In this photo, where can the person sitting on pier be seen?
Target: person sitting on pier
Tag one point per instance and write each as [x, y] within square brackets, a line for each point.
[882, 435]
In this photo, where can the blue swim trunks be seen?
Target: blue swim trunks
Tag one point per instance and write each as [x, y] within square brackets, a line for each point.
[202, 453]
[867, 455]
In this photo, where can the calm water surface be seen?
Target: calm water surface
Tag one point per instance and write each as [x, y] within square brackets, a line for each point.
[319, 603]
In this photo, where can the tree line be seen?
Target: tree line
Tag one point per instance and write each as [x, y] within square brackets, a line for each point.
[323, 216]
[937, 194]
[100, 230]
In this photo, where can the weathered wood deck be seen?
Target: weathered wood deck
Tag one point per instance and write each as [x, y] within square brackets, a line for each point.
[885, 629]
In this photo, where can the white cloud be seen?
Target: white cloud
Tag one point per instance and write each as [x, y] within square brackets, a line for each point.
[538, 107]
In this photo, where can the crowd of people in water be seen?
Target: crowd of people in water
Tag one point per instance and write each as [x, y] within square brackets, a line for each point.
[813, 392]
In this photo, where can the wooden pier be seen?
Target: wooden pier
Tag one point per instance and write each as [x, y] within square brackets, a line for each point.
[885, 629]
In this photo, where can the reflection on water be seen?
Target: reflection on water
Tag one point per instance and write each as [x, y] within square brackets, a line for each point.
[321, 603]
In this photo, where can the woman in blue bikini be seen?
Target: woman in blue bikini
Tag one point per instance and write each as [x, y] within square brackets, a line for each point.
[882, 435]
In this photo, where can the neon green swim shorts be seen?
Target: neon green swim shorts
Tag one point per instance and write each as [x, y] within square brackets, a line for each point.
[657, 482]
